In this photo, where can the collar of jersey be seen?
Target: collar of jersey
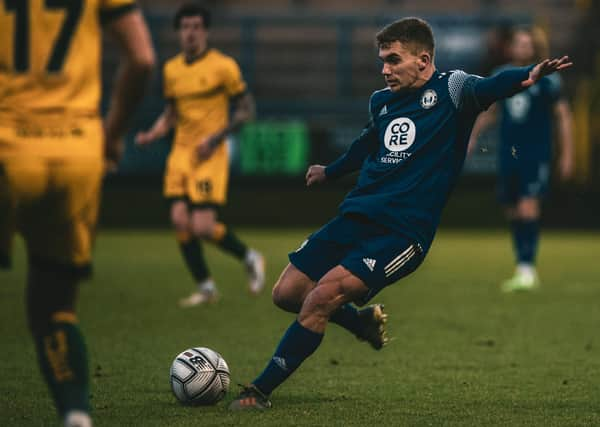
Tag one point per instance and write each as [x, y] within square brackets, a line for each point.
[197, 58]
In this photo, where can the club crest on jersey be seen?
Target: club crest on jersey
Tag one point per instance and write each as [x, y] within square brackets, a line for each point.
[400, 134]
[429, 99]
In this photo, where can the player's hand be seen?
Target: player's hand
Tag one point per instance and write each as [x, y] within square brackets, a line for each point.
[143, 138]
[547, 66]
[208, 146]
[315, 174]
[113, 151]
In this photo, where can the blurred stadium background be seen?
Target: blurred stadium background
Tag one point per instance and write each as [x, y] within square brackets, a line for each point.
[312, 66]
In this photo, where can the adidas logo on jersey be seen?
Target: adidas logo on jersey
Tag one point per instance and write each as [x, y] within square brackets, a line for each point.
[370, 263]
[383, 111]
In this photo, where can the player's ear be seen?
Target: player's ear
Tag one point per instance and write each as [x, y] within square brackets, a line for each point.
[424, 60]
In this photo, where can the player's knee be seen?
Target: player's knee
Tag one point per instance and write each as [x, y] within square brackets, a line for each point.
[179, 221]
[529, 209]
[203, 230]
[180, 216]
[283, 299]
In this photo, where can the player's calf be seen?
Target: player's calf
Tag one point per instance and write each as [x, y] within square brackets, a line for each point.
[60, 346]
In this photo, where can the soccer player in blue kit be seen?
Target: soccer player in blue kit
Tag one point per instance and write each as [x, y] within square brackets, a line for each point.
[525, 152]
[409, 156]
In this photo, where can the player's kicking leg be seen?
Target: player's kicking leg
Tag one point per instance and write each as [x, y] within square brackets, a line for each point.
[338, 287]
[367, 324]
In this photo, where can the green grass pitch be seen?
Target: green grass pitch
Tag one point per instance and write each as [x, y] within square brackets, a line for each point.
[462, 352]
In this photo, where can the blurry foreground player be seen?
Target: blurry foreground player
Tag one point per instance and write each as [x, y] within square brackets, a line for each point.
[409, 156]
[200, 85]
[525, 152]
[53, 147]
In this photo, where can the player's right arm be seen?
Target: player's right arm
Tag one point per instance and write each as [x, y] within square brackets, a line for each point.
[160, 128]
[133, 37]
[348, 162]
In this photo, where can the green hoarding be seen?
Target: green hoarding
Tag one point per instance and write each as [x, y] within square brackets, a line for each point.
[274, 148]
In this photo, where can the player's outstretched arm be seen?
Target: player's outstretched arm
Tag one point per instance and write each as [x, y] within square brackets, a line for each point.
[160, 128]
[547, 66]
[485, 91]
[133, 37]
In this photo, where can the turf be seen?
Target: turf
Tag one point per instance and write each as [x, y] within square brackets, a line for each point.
[462, 353]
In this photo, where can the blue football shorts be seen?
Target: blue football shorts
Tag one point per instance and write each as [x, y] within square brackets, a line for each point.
[522, 178]
[373, 253]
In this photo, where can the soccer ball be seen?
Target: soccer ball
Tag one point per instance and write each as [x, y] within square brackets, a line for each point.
[199, 376]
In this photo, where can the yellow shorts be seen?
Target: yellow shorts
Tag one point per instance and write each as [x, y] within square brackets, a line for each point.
[197, 182]
[50, 188]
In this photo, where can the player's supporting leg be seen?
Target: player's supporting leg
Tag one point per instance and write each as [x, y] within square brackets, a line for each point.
[525, 231]
[191, 250]
[62, 357]
[367, 324]
[303, 337]
[204, 224]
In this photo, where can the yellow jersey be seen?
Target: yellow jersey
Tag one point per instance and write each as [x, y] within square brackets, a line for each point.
[200, 92]
[50, 53]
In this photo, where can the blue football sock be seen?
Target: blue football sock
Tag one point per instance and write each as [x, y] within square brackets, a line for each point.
[347, 317]
[296, 345]
[526, 234]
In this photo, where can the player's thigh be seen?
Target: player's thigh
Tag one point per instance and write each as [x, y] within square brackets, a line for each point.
[528, 208]
[203, 220]
[382, 261]
[534, 179]
[324, 249]
[209, 181]
[507, 184]
[59, 225]
[22, 179]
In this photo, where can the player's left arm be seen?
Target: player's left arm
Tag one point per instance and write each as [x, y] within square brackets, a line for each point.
[564, 119]
[243, 111]
[483, 92]
[137, 61]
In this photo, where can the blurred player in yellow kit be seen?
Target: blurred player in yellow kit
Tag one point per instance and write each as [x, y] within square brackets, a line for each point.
[53, 147]
[200, 85]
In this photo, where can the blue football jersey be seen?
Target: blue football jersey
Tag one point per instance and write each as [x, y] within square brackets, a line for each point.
[419, 142]
[527, 119]
[412, 151]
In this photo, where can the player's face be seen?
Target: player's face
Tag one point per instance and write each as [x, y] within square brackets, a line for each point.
[192, 34]
[401, 67]
[521, 49]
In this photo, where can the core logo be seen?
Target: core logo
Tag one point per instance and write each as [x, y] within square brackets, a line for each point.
[400, 134]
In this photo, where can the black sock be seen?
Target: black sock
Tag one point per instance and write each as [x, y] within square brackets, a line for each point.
[229, 242]
[62, 358]
[191, 249]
